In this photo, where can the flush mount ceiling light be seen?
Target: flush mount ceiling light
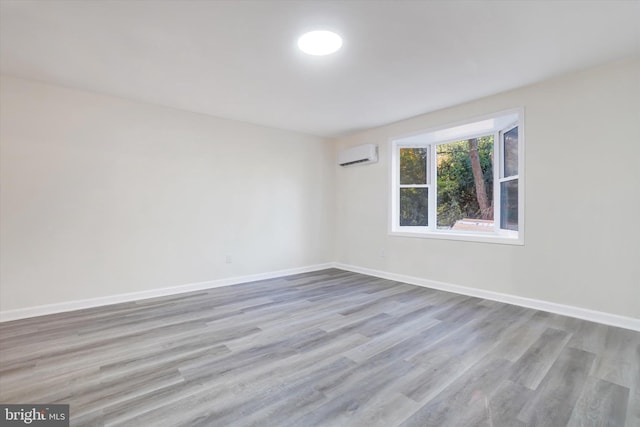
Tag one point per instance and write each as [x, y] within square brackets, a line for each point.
[319, 42]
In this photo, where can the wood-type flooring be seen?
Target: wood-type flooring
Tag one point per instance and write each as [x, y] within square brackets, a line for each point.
[328, 348]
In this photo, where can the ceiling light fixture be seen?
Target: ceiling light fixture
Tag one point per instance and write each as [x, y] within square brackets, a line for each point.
[319, 43]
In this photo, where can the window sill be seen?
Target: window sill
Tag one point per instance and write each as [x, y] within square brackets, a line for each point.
[461, 236]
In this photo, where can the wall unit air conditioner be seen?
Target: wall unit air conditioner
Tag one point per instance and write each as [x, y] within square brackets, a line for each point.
[367, 153]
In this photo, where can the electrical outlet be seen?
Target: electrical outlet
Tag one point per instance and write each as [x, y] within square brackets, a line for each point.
[228, 259]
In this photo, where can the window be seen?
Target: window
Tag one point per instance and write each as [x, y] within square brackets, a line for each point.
[461, 182]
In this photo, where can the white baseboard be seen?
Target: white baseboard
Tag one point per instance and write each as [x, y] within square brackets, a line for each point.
[41, 310]
[566, 310]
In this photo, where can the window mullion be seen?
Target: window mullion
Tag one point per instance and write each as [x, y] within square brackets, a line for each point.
[396, 189]
[433, 189]
[508, 178]
[497, 173]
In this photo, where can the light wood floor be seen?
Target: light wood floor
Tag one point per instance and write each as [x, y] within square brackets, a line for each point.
[328, 348]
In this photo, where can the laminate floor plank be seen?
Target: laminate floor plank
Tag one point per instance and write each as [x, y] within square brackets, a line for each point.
[325, 348]
[389, 339]
[601, 404]
[534, 364]
[518, 340]
[473, 385]
[243, 399]
[618, 358]
[556, 396]
[633, 408]
[499, 407]
[457, 353]
[350, 399]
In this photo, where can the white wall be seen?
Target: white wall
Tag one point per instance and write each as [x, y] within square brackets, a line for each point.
[582, 237]
[102, 196]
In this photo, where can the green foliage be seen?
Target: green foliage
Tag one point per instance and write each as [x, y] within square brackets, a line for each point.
[414, 208]
[413, 201]
[413, 166]
[457, 197]
[456, 186]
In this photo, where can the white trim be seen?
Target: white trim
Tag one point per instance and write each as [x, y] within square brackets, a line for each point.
[490, 237]
[430, 138]
[417, 137]
[551, 307]
[42, 310]
[565, 310]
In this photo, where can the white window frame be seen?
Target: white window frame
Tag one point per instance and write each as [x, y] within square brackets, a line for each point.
[431, 138]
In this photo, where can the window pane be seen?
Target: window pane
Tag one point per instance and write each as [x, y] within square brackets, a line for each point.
[465, 185]
[414, 206]
[511, 152]
[509, 205]
[413, 166]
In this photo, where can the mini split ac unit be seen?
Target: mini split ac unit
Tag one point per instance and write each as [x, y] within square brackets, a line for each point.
[367, 153]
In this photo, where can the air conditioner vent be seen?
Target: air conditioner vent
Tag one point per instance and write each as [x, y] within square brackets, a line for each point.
[367, 153]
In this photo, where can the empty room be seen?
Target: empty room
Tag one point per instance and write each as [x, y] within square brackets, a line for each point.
[320, 213]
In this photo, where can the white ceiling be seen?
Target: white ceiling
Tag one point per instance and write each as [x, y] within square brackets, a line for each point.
[239, 60]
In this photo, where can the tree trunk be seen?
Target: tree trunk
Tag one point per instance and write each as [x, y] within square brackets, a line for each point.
[486, 211]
